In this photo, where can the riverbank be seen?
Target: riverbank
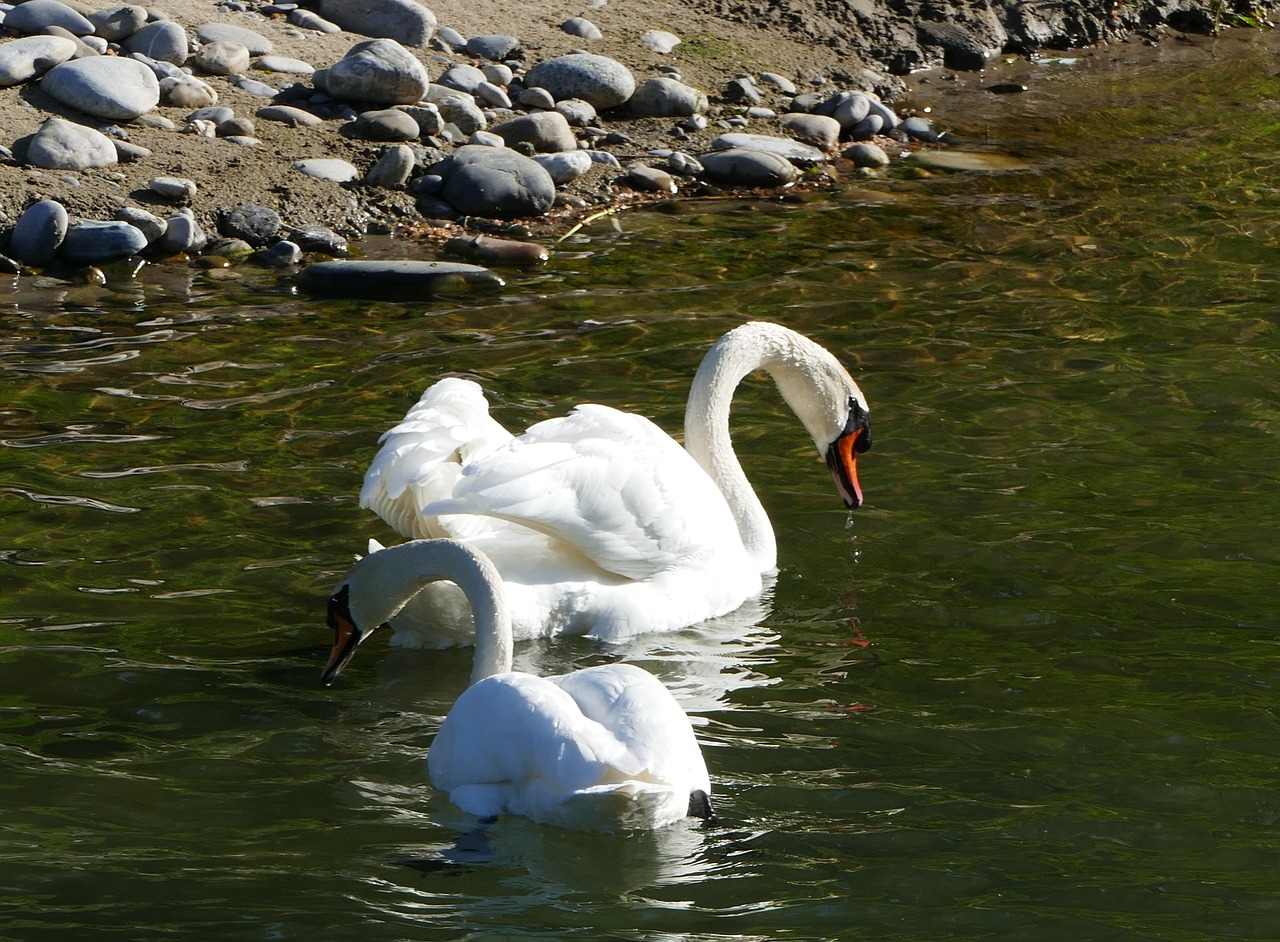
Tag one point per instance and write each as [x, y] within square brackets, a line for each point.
[806, 46]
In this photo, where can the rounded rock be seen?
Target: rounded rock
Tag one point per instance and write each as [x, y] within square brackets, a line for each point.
[149, 224]
[287, 114]
[173, 188]
[393, 168]
[390, 124]
[315, 238]
[222, 57]
[328, 168]
[39, 232]
[565, 167]
[93, 243]
[659, 41]
[604, 82]
[794, 151]
[119, 22]
[187, 91]
[250, 223]
[379, 71]
[392, 277]
[21, 60]
[546, 131]
[740, 167]
[583, 29]
[104, 86]
[867, 155]
[666, 98]
[537, 98]
[182, 234]
[579, 113]
[35, 16]
[405, 20]
[256, 43]
[461, 78]
[495, 183]
[814, 129]
[165, 41]
[495, 48]
[64, 145]
[284, 65]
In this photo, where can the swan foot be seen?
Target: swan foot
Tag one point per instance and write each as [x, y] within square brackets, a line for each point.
[700, 805]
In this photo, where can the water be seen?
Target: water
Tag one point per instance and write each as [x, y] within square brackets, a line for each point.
[1027, 691]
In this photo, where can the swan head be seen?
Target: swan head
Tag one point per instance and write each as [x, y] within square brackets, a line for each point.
[348, 633]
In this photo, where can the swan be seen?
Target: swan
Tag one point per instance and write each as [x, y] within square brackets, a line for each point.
[604, 748]
[599, 521]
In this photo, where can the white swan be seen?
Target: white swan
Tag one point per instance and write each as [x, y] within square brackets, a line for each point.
[599, 521]
[605, 748]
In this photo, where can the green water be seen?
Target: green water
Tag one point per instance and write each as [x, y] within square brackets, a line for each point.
[1027, 692]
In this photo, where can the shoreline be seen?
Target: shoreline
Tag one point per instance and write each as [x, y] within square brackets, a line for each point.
[257, 168]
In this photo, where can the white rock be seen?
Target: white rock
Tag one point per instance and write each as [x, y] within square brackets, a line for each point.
[104, 86]
[222, 57]
[187, 92]
[600, 80]
[660, 41]
[566, 166]
[328, 168]
[165, 41]
[284, 64]
[65, 145]
[21, 60]
[256, 43]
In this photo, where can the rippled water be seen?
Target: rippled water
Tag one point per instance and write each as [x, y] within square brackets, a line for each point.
[1028, 691]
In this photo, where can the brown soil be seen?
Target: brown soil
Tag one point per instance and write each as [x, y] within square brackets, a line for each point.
[715, 48]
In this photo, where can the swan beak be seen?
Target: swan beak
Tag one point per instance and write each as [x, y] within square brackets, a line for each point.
[346, 637]
[842, 454]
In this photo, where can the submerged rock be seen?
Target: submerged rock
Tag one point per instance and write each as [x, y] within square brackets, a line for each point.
[394, 277]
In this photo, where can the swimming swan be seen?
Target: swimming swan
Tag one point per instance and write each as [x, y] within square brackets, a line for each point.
[605, 748]
[599, 521]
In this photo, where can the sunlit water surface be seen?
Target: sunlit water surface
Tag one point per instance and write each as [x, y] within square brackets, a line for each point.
[1027, 692]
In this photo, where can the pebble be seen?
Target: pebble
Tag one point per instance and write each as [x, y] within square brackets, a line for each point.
[118, 22]
[463, 113]
[739, 167]
[283, 64]
[921, 129]
[488, 139]
[684, 164]
[485, 248]
[583, 29]
[60, 144]
[233, 250]
[182, 235]
[452, 38]
[216, 114]
[461, 77]
[498, 73]
[256, 43]
[149, 224]
[393, 168]
[105, 86]
[93, 243]
[252, 86]
[86, 46]
[256, 225]
[536, 98]
[390, 124]
[328, 168]
[659, 41]
[579, 113]
[287, 114]
[494, 184]
[495, 48]
[666, 98]
[742, 90]
[21, 60]
[405, 20]
[34, 16]
[492, 95]
[867, 155]
[813, 129]
[173, 188]
[164, 41]
[187, 91]
[430, 122]
[780, 82]
[306, 19]
[794, 151]
[365, 277]
[318, 239]
[379, 71]
[39, 232]
[222, 57]
[236, 127]
[641, 176]
[604, 82]
[282, 254]
[565, 167]
[128, 151]
[546, 131]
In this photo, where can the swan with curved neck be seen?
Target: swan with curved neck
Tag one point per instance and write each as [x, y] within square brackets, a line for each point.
[599, 521]
[605, 748]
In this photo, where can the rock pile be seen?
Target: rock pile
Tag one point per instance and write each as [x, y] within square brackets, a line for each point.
[462, 125]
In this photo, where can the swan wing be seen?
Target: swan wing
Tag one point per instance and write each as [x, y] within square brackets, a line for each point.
[610, 484]
[422, 457]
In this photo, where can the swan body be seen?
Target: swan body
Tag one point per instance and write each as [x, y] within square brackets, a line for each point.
[605, 748]
[599, 522]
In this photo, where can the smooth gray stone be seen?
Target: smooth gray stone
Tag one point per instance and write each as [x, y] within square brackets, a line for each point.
[867, 155]
[780, 82]
[487, 138]
[149, 224]
[379, 71]
[813, 129]
[461, 77]
[328, 168]
[173, 188]
[39, 232]
[318, 239]
[287, 114]
[868, 127]
[546, 131]
[498, 73]
[284, 65]
[796, 152]
[127, 150]
[583, 29]
[236, 127]
[187, 91]
[495, 48]
[21, 60]
[684, 164]
[393, 168]
[165, 41]
[452, 38]
[462, 112]
[182, 234]
[83, 47]
[887, 115]
[495, 183]
[109, 87]
[394, 277]
[256, 43]
[405, 20]
[64, 145]
[215, 113]
[282, 254]
[118, 22]
[390, 124]
[565, 167]
[738, 167]
[659, 41]
[604, 82]
[430, 122]
[92, 243]
[579, 113]
[305, 19]
[641, 176]
[666, 98]
[222, 57]
[252, 86]
[234, 250]
[34, 15]
[492, 95]
[257, 225]
[921, 129]
[537, 98]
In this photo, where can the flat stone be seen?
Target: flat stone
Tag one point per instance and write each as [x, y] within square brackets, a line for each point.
[659, 41]
[546, 131]
[92, 243]
[604, 82]
[405, 20]
[780, 82]
[381, 278]
[495, 48]
[666, 98]
[222, 57]
[328, 168]
[537, 98]
[283, 64]
[492, 95]
[187, 91]
[118, 22]
[173, 188]
[34, 16]
[109, 87]
[64, 145]
[314, 238]
[641, 176]
[495, 183]
[461, 77]
[794, 151]
[390, 124]
[85, 46]
[39, 232]
[215, 113]
[579, 113]
[287, 114]
[252, 86]
[813, 129]
[257, 225]
[306, 19]
[739, 167]
[866, 155]
[955, 160]
[164, 41]
[256, 43]
[282, 254]
[127, 150]
[21, 60]
[379, 71]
